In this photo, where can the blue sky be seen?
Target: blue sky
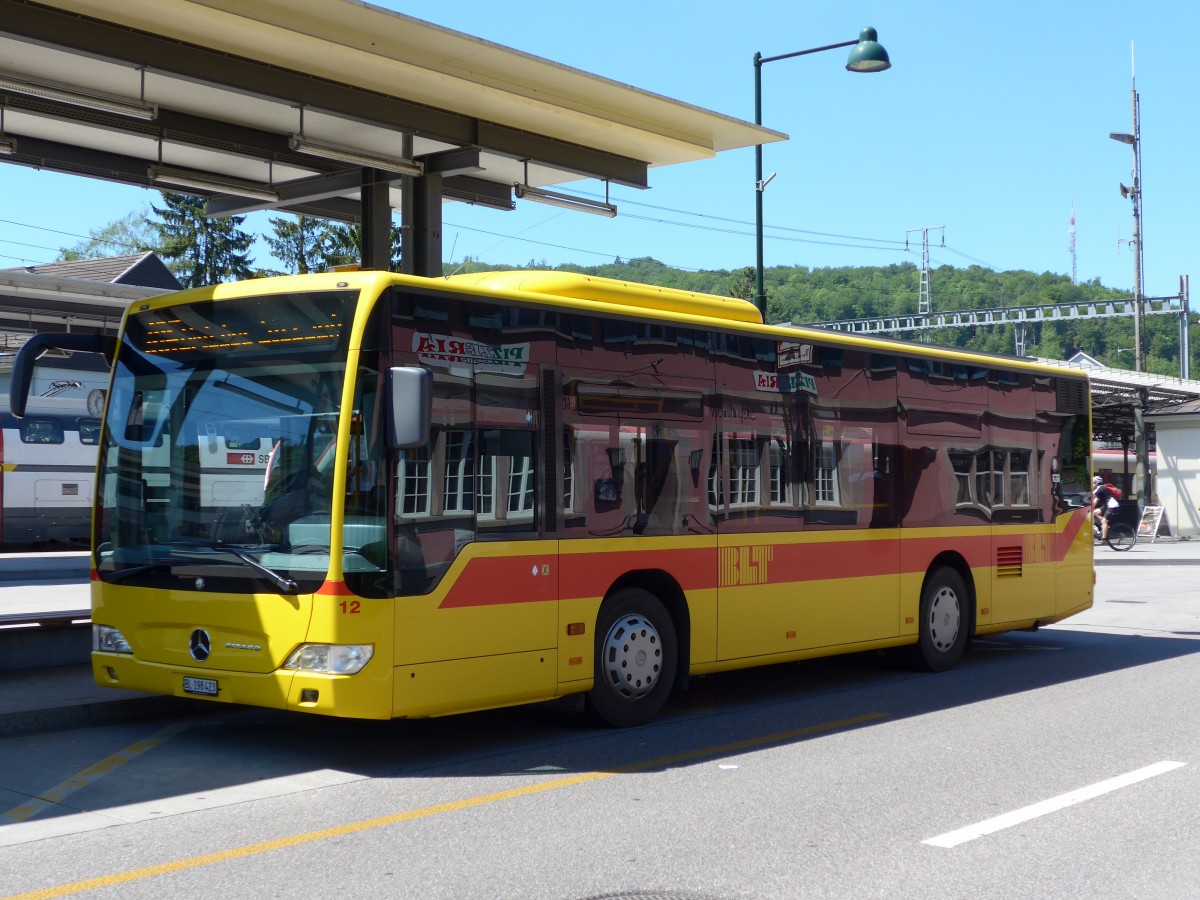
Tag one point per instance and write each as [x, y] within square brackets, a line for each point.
[992, 121]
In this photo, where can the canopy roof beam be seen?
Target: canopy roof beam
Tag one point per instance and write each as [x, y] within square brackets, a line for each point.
[138, 49]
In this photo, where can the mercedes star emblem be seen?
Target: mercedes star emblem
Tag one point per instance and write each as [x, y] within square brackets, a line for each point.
[200, 645]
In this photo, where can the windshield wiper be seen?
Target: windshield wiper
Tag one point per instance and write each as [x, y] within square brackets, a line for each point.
[130, 571]
[285, 584]
[281, 581]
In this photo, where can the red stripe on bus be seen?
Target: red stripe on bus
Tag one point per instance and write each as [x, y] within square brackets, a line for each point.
[976, 549]
[494, 581]
[589, 574]
[498, 581]
[1065, 538]
[335, 589]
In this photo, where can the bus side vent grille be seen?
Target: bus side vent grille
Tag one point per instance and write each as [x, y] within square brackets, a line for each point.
[1009, 561]
[1071, 396]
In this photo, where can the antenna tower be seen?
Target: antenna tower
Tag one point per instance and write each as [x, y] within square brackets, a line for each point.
[1071, 236]
[1134, 194]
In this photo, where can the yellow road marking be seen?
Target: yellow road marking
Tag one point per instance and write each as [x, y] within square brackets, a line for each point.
[308, 837]
[59, 792]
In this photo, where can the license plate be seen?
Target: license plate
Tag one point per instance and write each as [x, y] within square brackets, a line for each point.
[206, 687]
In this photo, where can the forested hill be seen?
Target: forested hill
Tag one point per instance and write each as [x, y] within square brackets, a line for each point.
[798, 294]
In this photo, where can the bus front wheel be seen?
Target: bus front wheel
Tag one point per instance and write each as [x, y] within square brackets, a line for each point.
[636, 655]
[945, 621]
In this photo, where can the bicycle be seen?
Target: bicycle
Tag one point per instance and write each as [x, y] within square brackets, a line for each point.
[1121, 537]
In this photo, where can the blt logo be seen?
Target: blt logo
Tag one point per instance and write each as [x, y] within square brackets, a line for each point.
[744, 565]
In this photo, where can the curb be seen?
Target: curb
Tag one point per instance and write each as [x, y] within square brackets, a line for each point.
[106, 712]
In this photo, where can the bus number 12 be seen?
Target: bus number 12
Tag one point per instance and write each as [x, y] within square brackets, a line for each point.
[352, 607]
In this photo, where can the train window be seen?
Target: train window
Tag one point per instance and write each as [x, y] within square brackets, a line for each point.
[89, 431]
[242, 437]
[41, 431]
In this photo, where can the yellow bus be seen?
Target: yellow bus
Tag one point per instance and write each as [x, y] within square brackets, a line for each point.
[486, 490]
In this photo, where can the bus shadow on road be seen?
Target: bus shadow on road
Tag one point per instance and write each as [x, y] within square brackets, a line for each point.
[997, 666]
[719, 716]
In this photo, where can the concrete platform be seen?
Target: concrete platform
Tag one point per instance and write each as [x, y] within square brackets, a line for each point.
[45, 566]
[44, 587]
[65, 697]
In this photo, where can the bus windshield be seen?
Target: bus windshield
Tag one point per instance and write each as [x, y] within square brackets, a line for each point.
[217, 455]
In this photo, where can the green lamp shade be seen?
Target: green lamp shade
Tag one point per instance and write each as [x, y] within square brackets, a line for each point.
[868, 54]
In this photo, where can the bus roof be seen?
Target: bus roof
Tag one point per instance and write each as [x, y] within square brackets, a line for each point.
[608, 290]
[650, 301]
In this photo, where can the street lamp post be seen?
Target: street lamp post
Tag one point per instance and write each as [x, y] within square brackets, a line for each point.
[868, 55]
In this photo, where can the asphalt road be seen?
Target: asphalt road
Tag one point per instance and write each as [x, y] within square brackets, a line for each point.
[1061, 763]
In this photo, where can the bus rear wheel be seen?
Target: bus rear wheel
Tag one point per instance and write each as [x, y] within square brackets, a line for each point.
[636, 656]
[945, 621]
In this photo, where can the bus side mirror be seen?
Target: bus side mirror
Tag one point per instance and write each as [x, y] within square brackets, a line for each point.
[27, 357]
[410, 404]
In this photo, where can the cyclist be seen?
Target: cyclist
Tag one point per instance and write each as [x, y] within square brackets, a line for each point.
[1104, 504]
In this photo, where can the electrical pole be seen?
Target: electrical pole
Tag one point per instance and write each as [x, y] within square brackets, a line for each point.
[1134, 194]
[925, 297]
[1185, 347]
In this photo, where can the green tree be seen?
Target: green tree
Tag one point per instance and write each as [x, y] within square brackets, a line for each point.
[341, 245]
[198, 249]
[299, 244]
[129, 234]
[743, 284]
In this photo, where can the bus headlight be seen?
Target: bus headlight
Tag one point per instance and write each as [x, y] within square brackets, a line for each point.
[332, 659]
[108, 640]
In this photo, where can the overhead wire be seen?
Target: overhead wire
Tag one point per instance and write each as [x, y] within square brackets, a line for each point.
[623, 201]
[771, 232]
[895, 244]
[57, 250]
[554, 246]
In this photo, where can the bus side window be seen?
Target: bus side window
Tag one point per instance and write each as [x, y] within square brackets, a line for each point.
[506, 481]
[41, 431]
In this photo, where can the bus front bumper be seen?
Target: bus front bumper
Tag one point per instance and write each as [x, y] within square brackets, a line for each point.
[364, 696]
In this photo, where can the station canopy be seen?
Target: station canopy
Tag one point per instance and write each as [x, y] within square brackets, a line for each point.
[303, 105]
[1120, 397]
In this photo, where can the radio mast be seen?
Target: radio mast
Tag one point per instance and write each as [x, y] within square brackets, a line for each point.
[1071, 245]
[1134, 194]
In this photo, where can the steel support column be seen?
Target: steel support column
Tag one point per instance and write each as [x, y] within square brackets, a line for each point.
[376, 223]
[421, 227]
[1148, 493]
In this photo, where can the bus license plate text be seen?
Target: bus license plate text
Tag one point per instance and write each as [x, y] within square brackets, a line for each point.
[204, 686]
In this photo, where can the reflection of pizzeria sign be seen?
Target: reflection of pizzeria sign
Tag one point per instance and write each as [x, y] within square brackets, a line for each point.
[785, 383]
[445, 350]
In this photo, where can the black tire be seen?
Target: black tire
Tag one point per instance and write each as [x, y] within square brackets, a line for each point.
[636, 656]
[1121, 536]
[945, 621]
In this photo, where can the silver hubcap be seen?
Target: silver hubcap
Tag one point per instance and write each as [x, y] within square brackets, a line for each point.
[945, 618]
[632, 657]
